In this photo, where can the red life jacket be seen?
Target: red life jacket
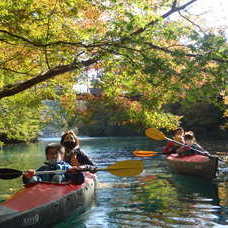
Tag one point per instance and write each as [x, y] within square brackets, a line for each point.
[170, 148]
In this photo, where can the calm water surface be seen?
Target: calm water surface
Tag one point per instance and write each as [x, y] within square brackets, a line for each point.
[155, 198]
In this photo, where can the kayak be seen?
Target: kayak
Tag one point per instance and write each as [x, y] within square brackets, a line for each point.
[194, 165]
[43, 204]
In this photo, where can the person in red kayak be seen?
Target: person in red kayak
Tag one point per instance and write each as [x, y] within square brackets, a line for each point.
[171, 147]
[55, 154]
[190, 145]
[74, 155]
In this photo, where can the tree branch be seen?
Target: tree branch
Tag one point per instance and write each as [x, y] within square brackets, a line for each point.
[171, 11]
[174, 5]
[187, 19]
[19, 87]
[40, 44]
[185, 54]
[14, 71]
[80, 44]
[167, 50]
[51, 73]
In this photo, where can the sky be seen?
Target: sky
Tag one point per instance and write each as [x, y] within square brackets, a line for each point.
[214, 13]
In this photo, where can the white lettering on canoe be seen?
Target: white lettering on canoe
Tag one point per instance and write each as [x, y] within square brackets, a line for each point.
[28, 221]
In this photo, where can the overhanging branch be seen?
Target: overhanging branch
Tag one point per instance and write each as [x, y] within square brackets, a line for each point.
[166, 50]
[19, 87]
[173, 9]
[167, 14]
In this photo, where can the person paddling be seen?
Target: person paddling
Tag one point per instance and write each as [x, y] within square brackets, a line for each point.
[171, 147]
[190, 145]
[54, 154]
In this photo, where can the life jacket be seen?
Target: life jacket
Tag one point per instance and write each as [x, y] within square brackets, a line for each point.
[170, 148]
[73, 160]
[71, 157]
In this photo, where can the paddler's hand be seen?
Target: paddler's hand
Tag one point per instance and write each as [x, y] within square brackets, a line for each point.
[93, 169]
[29, 173]
[76, 169]
[90, 168]
[206, 153]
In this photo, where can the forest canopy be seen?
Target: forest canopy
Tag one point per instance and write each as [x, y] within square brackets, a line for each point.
[146, 58]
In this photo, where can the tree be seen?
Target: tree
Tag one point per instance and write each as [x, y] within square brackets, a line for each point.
[139, 49]
[20, 118]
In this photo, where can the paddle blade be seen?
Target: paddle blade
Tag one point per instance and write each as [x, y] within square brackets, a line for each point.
[147, 155]
[126, 168]
[7, 174]
[144, 153]
[154, 134]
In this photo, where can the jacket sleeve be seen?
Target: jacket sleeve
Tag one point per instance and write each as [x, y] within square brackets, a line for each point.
[33, 179]
[44, 177]
[83, 159]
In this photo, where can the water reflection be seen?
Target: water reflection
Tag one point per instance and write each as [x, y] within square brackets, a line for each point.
[156, 198]
[168, 200]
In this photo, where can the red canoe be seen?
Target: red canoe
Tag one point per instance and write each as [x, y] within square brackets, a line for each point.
[43, 204]
[195, 165]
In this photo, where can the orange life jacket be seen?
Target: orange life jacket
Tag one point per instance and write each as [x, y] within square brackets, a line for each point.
[73, 160]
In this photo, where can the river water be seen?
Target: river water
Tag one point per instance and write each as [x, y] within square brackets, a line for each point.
[155, 198]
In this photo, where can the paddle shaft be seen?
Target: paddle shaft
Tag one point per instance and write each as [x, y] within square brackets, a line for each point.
[120, 168]
[51, 172]
[83, 170]
[64, 171]
[182, 144]
[200, 152]
[158, 135]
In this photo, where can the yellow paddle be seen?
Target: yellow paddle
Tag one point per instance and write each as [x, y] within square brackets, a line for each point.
[155, 134]
[121, 168]
[158, 135]
[125, 168]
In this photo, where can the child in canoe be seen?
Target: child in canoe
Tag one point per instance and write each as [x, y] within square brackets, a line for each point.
[74, 155]
[190, 145]
[55, 154]
[171, 147]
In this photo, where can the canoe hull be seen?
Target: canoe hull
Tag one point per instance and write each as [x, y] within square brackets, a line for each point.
[194, 165]
[47, 204]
